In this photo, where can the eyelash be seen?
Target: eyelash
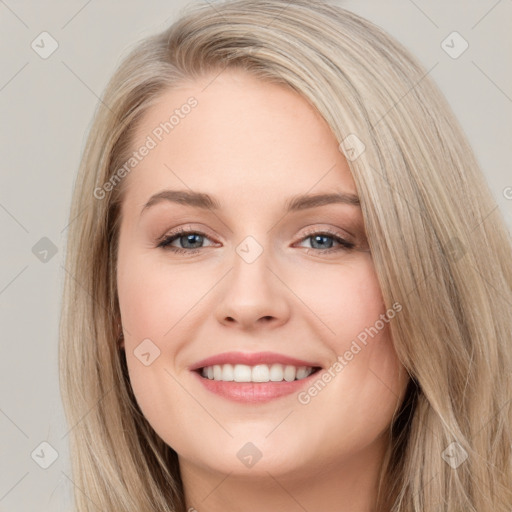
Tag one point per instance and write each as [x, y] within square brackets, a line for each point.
[168, 239]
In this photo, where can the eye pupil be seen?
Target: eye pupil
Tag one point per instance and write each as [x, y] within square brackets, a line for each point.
[316, 238]
[190, 238]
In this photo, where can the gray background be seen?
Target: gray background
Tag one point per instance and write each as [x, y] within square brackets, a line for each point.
[46, 106]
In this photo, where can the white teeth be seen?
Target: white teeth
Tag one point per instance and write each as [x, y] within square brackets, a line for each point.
[257, 373]
[289, 373]
[276, 373]
[302, 372]
[242, 373]
[227, 373]
[260, 373]
[217, 372]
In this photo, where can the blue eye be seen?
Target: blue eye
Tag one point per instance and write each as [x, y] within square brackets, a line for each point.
[185, 238]
[320, 239]
[192, 241]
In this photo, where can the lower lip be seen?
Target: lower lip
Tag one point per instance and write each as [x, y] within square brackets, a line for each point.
[254, 392]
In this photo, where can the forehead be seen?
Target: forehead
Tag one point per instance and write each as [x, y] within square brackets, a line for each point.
[242, 135]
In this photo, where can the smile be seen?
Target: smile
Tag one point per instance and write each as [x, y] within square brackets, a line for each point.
[259, 373]
[254, 377]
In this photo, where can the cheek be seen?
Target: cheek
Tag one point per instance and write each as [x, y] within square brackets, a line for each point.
[346, 298]
[153, 297]
[151, 302]
[157, 304]
[365, 369]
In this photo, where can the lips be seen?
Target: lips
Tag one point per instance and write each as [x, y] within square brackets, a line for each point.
[252, 359]
[253, 377]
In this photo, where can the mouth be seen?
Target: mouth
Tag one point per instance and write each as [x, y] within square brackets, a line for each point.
[252, 378]
[259, 373]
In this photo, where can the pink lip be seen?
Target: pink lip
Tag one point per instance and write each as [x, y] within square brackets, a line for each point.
[252, 392]
[251, 359]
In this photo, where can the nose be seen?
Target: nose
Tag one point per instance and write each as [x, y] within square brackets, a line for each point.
[253, 295]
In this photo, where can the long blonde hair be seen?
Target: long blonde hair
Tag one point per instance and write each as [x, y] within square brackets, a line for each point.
[439, 246]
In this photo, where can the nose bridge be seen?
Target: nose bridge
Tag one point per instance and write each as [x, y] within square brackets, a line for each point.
[251, 277]
[251, 249]
[252, 292]
[251, 265]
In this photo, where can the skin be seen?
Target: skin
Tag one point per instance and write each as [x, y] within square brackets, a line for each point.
[252, 145]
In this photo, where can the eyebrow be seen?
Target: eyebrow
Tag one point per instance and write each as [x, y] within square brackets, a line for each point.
[207, 202]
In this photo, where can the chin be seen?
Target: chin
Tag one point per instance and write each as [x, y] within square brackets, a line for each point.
[253, 456]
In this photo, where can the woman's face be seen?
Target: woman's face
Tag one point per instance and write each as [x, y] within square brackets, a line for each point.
[262, 287]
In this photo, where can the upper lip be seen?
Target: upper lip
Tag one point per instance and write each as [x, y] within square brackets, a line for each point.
[251, 359]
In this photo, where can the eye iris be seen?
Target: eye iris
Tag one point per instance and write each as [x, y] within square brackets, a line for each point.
[190, 238]
[323, 237]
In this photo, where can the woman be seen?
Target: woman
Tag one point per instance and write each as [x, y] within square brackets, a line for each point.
[337, 337]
